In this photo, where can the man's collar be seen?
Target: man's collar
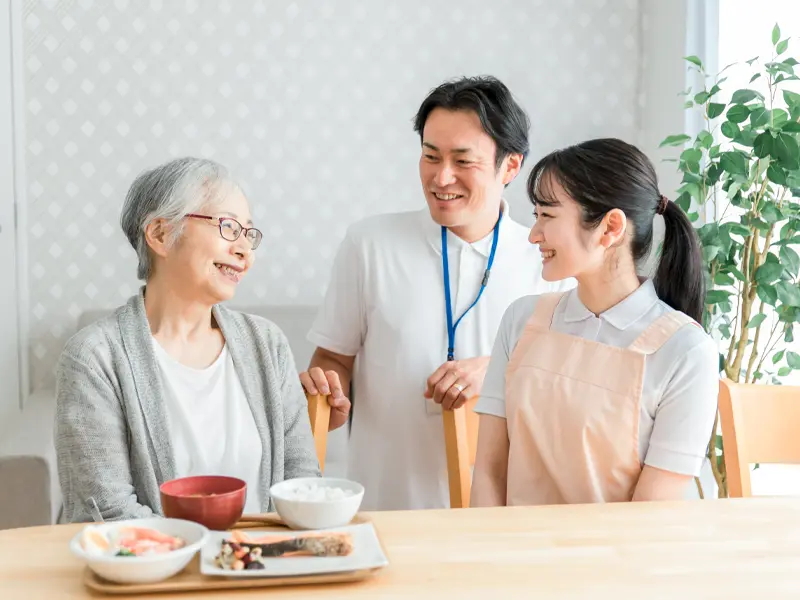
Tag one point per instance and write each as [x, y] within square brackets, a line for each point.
[433, 232]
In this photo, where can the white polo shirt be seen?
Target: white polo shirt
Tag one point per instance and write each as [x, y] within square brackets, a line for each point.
[681, 379]
[385, 305]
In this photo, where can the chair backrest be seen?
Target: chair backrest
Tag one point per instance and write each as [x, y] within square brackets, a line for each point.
[319, 413]
[461, 445]
[759, 425]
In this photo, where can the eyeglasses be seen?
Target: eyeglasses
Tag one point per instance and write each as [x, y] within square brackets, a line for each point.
[230, 229]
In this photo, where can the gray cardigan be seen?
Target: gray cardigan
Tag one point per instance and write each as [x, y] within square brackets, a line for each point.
[111, 432]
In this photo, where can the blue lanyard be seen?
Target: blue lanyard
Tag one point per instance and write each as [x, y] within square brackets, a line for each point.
[451, 328]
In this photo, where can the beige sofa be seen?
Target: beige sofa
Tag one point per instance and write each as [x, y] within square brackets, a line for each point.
[29, 489]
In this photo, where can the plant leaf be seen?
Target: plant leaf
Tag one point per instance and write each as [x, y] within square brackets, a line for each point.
[744, 96]
[738, 113]
[729, 130]
[746, 137]
[692, 155]
[779, 117]
[790, 260]
[736, 273]
[762, 145]
[774, 67]
[792, 99]
[717, 296]
[771, 214]
[694, 60]
[768, 273]
[675, 140]
[710, 252]
[776, 34]
[776, 174]
[784, 371]
[739, 229]
[715, 109]
[723, 279]
[702, 97]
[756, 320]
[705, 139]
[788, 293]
[734, 163]
[782, 46]
[767, 294]
[793, 359]
[776, 358]
[787, 151]
[759, 117]
[754, 77]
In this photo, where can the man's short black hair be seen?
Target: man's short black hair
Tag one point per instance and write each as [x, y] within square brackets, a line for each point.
[501, 117]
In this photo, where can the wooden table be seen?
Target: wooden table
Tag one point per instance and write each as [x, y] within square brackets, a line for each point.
[696, 549]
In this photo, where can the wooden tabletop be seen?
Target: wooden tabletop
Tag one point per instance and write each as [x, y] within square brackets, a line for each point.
[695, 549]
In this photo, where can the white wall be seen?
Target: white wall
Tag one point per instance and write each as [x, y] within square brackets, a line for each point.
[309, 102]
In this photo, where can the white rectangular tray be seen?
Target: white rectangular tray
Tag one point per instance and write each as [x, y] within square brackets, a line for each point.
[367, 554]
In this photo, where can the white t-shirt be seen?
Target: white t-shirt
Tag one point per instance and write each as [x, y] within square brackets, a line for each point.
[211, 424]
[681, 381]
[385, 305]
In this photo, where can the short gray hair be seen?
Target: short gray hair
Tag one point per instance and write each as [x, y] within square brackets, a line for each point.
[169, 191]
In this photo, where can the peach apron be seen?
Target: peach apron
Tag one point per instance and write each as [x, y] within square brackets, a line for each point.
[572, 409]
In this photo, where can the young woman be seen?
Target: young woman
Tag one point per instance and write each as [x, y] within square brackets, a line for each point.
[605, 393]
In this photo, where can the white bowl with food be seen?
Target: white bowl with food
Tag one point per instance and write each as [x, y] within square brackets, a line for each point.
[140, 550]
[317, 502]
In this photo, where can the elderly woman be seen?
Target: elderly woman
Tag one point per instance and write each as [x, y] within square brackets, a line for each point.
[173, 383]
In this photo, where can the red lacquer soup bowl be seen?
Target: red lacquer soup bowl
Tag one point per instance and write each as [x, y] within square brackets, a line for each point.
[211, 500]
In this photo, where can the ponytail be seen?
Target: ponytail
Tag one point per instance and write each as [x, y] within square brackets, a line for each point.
[680, 277]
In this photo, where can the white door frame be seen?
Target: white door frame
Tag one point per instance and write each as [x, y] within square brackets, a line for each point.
[13, 252]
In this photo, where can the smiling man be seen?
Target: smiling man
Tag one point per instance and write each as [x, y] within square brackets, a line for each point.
[415, 298]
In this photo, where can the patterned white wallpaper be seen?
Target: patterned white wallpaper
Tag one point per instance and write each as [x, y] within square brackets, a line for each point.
[309, 102]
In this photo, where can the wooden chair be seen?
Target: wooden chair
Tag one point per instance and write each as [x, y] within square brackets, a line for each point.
[759, 425]
[460, 438]
[319, 413]
[461, 445]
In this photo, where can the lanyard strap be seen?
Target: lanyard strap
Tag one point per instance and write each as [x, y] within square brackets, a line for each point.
[451, 327]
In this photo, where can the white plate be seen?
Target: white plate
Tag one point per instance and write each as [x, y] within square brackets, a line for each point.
[367, 554]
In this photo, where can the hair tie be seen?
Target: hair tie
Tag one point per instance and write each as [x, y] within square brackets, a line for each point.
[662, 205]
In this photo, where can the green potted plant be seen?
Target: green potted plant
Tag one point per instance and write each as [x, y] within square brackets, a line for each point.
[742, 171]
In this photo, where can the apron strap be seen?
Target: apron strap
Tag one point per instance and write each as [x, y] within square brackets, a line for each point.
[542, 317]
[540, 320]
[661, 330]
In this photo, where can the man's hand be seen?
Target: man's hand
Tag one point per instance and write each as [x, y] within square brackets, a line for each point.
[316, 381]
[456, 381]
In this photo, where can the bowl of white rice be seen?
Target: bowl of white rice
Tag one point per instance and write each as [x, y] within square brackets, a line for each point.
[317, 502]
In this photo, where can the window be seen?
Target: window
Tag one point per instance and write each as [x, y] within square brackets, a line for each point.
[745, 29]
